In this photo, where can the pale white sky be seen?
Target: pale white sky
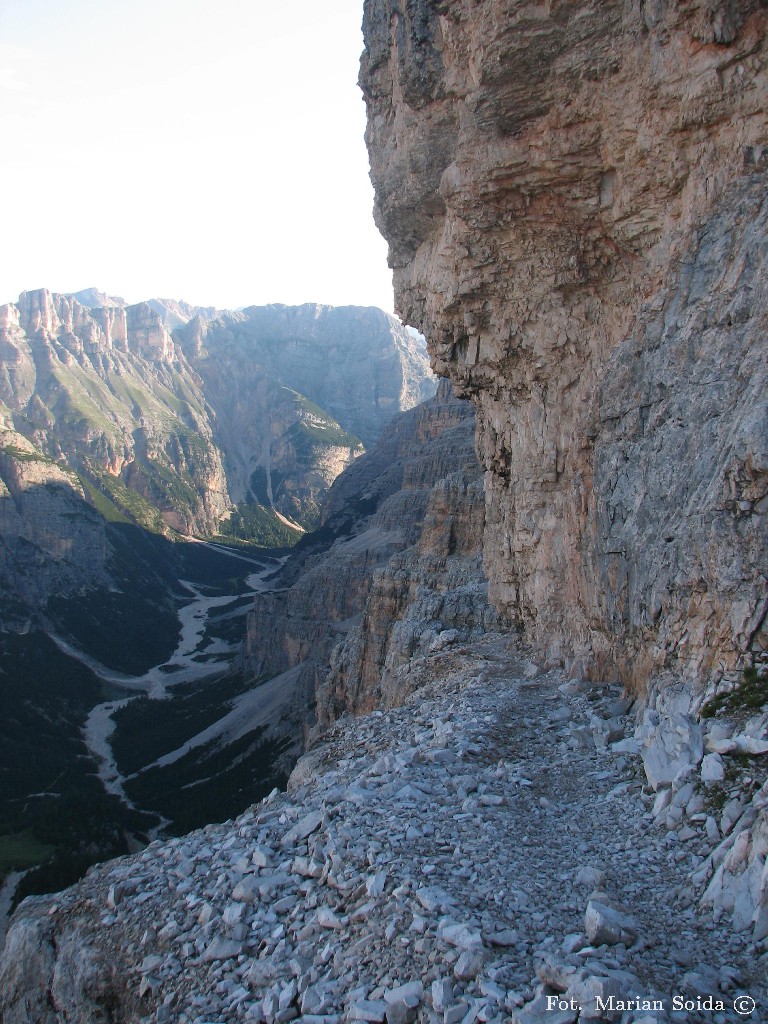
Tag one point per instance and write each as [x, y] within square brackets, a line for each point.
[207, 150]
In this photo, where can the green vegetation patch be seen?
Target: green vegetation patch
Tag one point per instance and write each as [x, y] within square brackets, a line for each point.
[130, 506]
[80, 409]
[233, 777]
[322, 424]
[170, 486]
[134, 625]
[22, 850]
[259, 485]
[146, 729]
[84, 825]
[750, 695]
[309, 441]
[256, 524]
[103, 504]
[23, 456]
[53, 809]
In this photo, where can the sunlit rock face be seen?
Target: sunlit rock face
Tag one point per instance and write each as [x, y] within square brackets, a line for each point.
[106, 392]
[573, 195]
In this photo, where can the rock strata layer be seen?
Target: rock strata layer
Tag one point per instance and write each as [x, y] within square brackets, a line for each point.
[574, 199]
[179, 415]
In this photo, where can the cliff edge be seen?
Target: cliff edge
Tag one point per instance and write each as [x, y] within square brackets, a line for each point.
[574, 199]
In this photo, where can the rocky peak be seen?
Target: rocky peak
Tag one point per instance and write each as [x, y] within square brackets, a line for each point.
[64, 320]
[94, 299]
[147, 333]
[9, 316]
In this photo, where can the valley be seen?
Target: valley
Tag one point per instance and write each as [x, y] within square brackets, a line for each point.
[368, 697]
[83, 769]
[157, 462]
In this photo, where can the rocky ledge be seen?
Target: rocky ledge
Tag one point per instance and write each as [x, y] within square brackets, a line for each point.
[439, 862]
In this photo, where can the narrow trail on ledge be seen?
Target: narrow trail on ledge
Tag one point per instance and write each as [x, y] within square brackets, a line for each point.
[451, 845]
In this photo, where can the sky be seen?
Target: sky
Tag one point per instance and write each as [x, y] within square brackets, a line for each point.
[187, 149]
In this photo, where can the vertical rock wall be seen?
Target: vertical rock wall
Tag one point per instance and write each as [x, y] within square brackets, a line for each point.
[573, 194]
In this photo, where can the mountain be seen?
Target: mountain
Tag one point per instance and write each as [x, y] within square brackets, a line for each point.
[115, 447]
[569, 815]
[298, 391]
[394, 570]
[237, 424]
[104, 392]
[172, 312]
[404, 519]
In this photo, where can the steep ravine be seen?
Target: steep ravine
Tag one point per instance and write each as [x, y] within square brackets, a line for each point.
[394, 571]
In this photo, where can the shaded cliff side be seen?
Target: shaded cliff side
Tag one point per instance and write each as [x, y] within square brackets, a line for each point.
[573, 194]
[394, 570]
[297, 391]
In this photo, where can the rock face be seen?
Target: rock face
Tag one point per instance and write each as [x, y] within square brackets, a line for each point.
[358, 363]
[574, 198]
[296, 389]
[105, 393]
[395, 570]
[228, 417]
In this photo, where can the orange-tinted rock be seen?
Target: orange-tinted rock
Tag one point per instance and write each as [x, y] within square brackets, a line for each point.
[573, 194]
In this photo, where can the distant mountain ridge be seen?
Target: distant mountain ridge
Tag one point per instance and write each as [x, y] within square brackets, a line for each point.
[200, 422]
[173, 312]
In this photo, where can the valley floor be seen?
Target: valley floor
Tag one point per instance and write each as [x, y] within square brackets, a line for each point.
[184, 666]
[478, 846]
[200, 672]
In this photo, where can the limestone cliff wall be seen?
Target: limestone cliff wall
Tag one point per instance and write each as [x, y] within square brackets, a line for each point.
[424, 599]
[107, 391]
[573, 195]
[270, 371]
[231, 422]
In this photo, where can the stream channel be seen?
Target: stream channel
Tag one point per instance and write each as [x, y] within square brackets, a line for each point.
[183, 666]
[195, 658]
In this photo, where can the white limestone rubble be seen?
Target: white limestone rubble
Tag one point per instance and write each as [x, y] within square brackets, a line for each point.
[384, 887]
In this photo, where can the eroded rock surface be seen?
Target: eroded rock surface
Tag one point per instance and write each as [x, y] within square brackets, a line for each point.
[296, 389]
[573, 194]
[106, 392]
[254, 413]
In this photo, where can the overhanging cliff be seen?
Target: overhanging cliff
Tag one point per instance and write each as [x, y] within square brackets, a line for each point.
[574, 198]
